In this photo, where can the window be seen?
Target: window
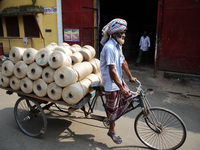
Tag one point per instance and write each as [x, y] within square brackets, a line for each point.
[30, 26]
[1, 27]
[12, 26]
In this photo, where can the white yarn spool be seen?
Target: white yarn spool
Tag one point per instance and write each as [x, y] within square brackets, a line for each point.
[73, 49]
[78, 47]
[87, 55]
[14, 83]
[16, 54]
[51, 46]
[20, 69]
[92, 77]
[92, 50]
[26, 85]
[73, 93]
[95, 65]
[76, 58]
[65, 45]
[58, 59]
[7, 68]
[48, 74]
[54, 91]
[4, 81]
[65, 76]
[83, 69]
[34, 71]
[42, 56]
[40, 87]
[64, 49]
[100, 78]
[29, 55]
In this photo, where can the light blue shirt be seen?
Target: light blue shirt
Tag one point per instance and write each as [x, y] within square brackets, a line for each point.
[144, 43]
[111, 54]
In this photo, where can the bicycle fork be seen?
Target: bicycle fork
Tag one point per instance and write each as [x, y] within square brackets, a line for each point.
[149, 115]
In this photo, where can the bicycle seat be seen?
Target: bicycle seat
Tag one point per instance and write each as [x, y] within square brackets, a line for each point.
[97, 86]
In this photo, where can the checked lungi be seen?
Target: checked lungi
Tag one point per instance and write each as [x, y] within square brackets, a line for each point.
[117, 104]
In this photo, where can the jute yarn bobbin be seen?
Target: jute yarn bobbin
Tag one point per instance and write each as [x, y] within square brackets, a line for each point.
[87, 55]
[14, 83]
[54, 91]
[95, 65]
[20, 69]
[65, 76]
[34, 71]
[76, 58]
[73, 93]
[83, 69]
[65, 45]
[4, 81]
[73, 49]
[63, 49]
[78, 47]
[92, 50]
[92, 77]
[100, 78]
[42, 57]
[48, 74]
[16, 54]
[40, 87]
[26, 85]
[51, 46]
[29, 55]
[58, 59]
[7, 68]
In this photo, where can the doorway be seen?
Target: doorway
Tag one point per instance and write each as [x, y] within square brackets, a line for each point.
[140, 15]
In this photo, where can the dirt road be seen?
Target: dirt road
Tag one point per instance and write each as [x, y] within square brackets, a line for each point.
[65, 133]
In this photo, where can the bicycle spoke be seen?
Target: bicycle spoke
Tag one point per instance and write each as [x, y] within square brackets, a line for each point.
[166, 131]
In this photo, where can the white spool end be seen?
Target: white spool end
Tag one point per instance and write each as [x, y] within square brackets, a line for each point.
[14, 83]
[40, 87]
[34, 71]
[65, 76]
[48, 74]
[29, 55]
[20, 69]
[7, 68]
[26, 85]
[54, 91]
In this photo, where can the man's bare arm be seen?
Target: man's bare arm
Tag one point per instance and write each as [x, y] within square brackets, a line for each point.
[114, 76]
[127, 71]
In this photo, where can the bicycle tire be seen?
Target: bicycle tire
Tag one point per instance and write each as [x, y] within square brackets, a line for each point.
[30, 117]
[169, 134]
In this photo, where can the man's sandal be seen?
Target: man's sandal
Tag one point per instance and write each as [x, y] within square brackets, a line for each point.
[112, 135]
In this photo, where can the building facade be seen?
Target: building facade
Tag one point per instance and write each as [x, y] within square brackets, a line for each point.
[35, 23]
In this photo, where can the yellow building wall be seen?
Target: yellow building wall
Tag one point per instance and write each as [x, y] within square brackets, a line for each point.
[45, 21]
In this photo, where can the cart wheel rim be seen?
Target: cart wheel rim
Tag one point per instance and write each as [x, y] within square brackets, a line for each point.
[30, 117]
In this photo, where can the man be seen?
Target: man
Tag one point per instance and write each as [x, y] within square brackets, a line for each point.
[144, 48]
[112, 61]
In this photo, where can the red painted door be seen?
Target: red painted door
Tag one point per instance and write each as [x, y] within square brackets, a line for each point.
[78, 22]
[180, 38]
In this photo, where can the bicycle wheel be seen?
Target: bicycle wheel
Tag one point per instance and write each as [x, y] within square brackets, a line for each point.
[30, 117]
[160, 129]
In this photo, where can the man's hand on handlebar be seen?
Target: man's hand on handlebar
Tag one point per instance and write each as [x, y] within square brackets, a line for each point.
[133, 80]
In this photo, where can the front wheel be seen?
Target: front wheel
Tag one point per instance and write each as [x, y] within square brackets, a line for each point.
[160, 129]
[30, 117]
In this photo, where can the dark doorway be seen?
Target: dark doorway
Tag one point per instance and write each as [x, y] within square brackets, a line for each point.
[140, 15]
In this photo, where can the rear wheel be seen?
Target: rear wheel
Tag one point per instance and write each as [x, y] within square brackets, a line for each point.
[30, 117]
[160, 129]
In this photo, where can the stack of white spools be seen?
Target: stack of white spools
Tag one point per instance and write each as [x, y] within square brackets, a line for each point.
[61, 72]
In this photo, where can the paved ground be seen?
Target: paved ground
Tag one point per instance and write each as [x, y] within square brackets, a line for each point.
[87, 134]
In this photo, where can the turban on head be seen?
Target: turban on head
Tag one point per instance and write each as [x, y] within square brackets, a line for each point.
[116, 25]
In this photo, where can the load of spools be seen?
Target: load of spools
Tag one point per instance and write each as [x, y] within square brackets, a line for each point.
[61, 72]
